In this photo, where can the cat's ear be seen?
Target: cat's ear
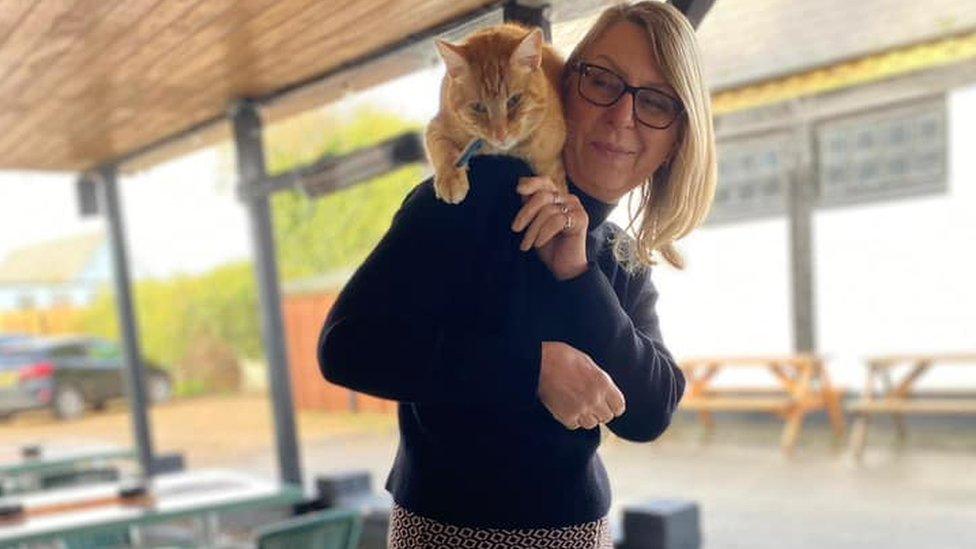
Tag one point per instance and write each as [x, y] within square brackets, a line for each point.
[528, 54]
[453, 57]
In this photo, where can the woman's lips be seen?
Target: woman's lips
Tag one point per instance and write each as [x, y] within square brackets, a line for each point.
[611, 151]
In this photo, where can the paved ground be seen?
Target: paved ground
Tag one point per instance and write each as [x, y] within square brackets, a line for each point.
[922, 496]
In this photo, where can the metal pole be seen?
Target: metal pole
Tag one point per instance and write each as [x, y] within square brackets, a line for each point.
[530, 14]
[800, 196]
[251, 172]
[135, 373]
[694, 10]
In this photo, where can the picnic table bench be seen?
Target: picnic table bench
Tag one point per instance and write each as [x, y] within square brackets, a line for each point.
[27, 468]
[804, 382]
[886, 393]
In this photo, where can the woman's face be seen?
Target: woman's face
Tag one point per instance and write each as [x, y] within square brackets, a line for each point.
[608, 152]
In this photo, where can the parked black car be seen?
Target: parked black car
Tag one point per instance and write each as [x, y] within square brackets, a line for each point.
[68, 375]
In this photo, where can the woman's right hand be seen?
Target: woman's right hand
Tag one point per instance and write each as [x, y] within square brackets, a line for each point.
[575, 390]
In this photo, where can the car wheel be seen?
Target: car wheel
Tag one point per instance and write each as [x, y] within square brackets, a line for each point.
[160, 388]
[69, 403]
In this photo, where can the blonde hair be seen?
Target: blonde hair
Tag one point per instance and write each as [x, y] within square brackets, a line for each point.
[676, 198]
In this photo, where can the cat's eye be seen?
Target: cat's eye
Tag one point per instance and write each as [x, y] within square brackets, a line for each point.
[514, 101]
[479, 108]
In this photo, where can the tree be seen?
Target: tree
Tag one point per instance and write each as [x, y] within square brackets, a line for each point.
[319, 235]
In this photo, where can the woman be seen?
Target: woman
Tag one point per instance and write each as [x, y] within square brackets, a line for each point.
[510, 326]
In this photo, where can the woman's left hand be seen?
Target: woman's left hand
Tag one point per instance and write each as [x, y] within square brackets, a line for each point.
[544, 211]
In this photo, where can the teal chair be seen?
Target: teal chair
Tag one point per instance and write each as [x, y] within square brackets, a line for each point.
[118, 537]
[111, 537]
[329, 529]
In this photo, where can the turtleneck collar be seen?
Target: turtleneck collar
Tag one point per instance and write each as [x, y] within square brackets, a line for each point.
[597, 210]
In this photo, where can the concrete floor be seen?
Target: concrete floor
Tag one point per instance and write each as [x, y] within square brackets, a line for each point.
[751, 496]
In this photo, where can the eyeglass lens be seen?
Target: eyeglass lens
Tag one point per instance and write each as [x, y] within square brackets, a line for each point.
[605, 88]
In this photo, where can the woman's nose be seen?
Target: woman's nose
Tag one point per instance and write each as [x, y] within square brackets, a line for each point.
[621, 113]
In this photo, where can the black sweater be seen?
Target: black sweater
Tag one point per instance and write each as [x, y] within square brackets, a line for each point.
[447, 315]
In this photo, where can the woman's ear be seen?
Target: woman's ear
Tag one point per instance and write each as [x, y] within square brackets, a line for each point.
[673, 152]
[669, 157]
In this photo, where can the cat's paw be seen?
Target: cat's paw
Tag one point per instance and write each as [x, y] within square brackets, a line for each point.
[452, 186]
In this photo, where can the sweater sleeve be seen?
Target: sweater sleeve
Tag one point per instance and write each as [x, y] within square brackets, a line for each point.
[400, 329]
[625, 340]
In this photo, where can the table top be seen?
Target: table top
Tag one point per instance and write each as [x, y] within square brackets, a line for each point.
[174, 495]
[934, 358]
[12, 462]
[750, 360]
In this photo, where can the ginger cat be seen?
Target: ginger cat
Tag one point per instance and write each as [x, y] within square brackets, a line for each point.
[501, 86]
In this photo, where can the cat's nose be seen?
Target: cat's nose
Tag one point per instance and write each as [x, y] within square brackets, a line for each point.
[499, 135]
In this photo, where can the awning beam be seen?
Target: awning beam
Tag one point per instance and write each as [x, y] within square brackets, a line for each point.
[694, 10]
[332, 173]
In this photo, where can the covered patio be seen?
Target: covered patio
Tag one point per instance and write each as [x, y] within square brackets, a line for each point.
[104, 89]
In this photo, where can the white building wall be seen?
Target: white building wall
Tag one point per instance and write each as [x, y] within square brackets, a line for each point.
[890, 277]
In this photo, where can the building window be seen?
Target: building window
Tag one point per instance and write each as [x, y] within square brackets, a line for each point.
[889, 153]
[751, 177]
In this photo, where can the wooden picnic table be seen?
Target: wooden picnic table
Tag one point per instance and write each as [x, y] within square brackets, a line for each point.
[95, 508]
[59, 459]
[804, 387]
[888, 391]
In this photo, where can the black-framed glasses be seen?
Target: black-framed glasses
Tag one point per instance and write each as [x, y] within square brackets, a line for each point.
[603, 87]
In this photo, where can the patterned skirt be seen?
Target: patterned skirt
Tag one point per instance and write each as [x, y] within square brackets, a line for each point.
[411, 531]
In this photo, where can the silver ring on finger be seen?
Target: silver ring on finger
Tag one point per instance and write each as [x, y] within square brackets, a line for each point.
[569, 222]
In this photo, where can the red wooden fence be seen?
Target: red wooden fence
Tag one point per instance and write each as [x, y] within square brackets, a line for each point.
[303, 316]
